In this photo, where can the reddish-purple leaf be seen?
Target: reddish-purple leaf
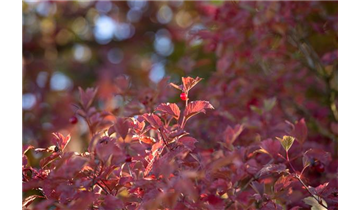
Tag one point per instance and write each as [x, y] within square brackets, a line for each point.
[170, 109]
[179, 87]
[44, 204]
[272, 147]
[31, 184]
[283, 182]
[71, 166]
[60, 141]
[319, 189]
[122, 84]
[319, 154]
[112, 203]
[195, 107]
[153, 120]
[122, 127]
[300, 131]
[272, 168]
[230, 135]
[106, 147]
[44, 162]
[87, 96]
[30, 199]
[188, 142]
[258, 187]
[189, 83]
[83, 200]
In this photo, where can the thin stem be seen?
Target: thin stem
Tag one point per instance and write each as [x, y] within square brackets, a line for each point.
[247, 184]
[288, 160]
[107, 193]
[317, 198]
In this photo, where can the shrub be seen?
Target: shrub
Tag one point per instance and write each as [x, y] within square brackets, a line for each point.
[268, 139]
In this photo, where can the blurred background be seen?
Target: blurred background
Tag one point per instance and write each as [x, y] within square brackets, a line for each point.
[263, 63]
[89, 43]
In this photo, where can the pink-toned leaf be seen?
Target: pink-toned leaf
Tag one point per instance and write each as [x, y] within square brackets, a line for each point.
[112, 203]
[179, 87]
[170, 109]
[147, 139]
[195, 107]
[30, 199]
[319, 189]
[31, 184]
[300, 131]
[44, 204]
[87, 96]
[188, 142]
[83, 201]
[122, 127]
[71, 166]
[61, 141]
[44, 162]
[272, 147]
[319, 154]
[122, 83]
[283, 182]
[189, 82]
[272, 168]
[230, 134]
[153, 120]
[258, 187]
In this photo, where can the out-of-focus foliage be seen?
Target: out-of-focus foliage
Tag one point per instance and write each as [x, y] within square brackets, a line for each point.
[269, 69]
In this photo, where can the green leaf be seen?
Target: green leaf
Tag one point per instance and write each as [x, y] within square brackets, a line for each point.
[306, 161]
[217, 2]
[286, 142]
[314, 204]
[269, 104]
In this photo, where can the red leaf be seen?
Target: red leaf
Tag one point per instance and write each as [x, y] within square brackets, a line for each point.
[84, 200]
[272, 147]
[112, 203]
[319, 154]
[153, 120]
[60, 141]
[272, 168]
[230, 135]
[195, 107]
[147, 139]
[30, 199]
[189, 83]
[258, 187]
[44, 162]
[31, 184]
[122, 127]
[170, 109]
[179, 87]
[87, 97]
[283, 182]
[71, 166]
[300, 131]
[188, 142]
[122, 84]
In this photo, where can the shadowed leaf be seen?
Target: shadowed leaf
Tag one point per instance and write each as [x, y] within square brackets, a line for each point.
[170, 109]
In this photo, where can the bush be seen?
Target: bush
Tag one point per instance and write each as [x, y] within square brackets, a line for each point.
[268, 139]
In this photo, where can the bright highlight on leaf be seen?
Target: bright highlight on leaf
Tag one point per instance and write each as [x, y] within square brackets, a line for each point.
[286, 142]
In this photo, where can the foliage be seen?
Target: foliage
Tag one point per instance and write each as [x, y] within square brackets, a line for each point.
[258, 130]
